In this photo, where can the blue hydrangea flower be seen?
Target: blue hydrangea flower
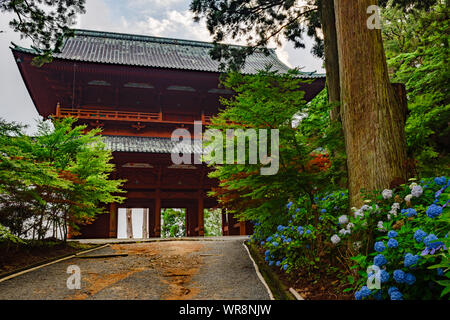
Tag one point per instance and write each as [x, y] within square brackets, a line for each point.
[392, 243]
[308, 231]
[396, 295]
[379, 246]
[410, 279]
[285, 267]
[419, 235]
[410, 212]
[434, 211]
[262, 243]
[440, 272]
[269, 239]
[399, 276]
[379, 260]
[440, 181]
[280, 228]
[267, 252]
[323, 210]
[358, 295]
[410, 260]
[289, 204]
[365, 292]
[278, 263]
[271, 263]
[266, 258]
[275, 244]
[297, 210]
[384, 276]
[391, 290]
[392, 234]
[430, 241]
[300, 230]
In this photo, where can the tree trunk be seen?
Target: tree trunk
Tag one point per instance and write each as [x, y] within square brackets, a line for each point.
[328, 22]
[372, 114]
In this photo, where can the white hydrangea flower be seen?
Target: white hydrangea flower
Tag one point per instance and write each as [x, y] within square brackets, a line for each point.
[387, 194]
[380, 226]
[354, 209]
[350, 225]
[343, 219]
[408, 198]
[412, 185]
[359, 214]
[335, 239]
[416, 191]
[396, 206]
[365, 207]
[389, 217]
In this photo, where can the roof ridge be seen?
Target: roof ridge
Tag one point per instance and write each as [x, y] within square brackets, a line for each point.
[141, 37]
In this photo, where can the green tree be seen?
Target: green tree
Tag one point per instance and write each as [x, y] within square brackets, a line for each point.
[270, 101]
[57, 179]
[173, 223]
[213, 222]
[417, 49]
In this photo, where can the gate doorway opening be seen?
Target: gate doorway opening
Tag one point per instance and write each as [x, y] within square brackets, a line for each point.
[133, 223]
[173, 222]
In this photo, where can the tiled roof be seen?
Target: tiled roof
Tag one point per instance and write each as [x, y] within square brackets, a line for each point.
[148, 145]
[148, 51]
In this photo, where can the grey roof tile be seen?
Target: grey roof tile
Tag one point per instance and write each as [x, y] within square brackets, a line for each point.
[148, 145]
[148, 51]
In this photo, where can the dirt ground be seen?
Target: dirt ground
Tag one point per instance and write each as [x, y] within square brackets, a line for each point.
[174, 270]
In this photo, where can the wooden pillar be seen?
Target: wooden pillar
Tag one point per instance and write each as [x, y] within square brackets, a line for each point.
[112, 220]
[158, 214]
[186, 222]
[224, 223]
[145, 224]
[129, 223]
[242, 228]
[201, 229]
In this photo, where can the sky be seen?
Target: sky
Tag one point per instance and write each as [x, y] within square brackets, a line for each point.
[165, 18]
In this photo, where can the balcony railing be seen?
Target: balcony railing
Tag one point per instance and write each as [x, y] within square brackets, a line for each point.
[109, 115]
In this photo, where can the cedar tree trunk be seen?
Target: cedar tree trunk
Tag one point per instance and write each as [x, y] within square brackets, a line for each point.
[328, 22]
[372, 115]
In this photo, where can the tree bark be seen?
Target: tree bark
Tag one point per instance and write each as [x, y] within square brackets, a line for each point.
[372, 114]
[328, 22]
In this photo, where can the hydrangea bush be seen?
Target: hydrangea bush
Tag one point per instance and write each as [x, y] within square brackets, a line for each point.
[401, 234]
[411, 242]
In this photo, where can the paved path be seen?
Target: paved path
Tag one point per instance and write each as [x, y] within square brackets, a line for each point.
[172, 270]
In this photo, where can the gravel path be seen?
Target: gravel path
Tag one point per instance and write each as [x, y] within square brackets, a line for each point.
[173, 270]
